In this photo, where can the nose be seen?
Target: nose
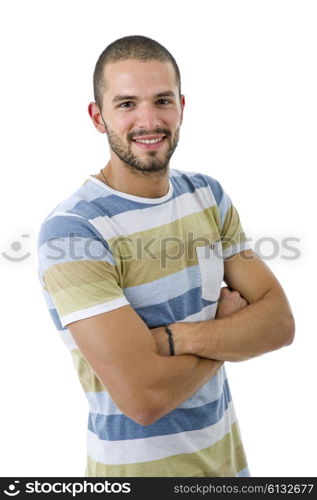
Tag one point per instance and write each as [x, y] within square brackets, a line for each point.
[148, 117]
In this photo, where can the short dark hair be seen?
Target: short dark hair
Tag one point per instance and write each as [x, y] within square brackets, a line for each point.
[137, 47]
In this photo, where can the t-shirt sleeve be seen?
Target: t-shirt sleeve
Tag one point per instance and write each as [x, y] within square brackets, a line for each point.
[233, 237]
[77, 269]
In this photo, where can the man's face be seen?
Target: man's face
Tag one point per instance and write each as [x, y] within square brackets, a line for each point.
[142, 112]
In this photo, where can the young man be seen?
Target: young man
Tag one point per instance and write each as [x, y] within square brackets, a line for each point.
[140, 247]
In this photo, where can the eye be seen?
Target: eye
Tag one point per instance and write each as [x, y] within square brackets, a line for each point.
[163, 101]
[126, 105]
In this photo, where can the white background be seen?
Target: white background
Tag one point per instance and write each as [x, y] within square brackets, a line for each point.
[249, 77]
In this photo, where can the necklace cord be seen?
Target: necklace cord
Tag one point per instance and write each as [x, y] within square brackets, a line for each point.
[103, 176]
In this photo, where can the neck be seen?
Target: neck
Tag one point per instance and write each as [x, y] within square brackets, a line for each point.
[124, 178]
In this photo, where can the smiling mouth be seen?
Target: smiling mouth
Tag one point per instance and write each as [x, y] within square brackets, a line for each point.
[149, 142]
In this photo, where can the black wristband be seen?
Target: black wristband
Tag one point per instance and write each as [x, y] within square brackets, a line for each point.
[170, 340]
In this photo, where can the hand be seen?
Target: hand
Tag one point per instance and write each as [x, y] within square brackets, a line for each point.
[230, 301]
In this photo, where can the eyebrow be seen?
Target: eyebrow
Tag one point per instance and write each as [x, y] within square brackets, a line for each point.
[167, 93]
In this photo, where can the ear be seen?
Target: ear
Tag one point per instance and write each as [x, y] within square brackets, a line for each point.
[96, 118]
[182, 106]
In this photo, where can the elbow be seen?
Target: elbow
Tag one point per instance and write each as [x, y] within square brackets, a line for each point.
[144, 411]
[152, 407]
[144, 418]
[291, 330]
[141, 402]
[288, 330]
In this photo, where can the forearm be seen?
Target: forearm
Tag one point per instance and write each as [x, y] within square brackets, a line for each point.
[177, 378]
[260, 327]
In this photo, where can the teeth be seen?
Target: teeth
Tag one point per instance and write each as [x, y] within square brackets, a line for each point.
[149, 141]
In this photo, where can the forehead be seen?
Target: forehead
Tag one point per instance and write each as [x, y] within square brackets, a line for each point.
[136, 77]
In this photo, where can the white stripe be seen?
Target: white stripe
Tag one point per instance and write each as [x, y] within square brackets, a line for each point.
[229, 252]
[68, 340]
[93, 310]
[154, 448]
[146, 218]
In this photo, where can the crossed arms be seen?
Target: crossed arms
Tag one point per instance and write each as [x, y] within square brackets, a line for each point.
[264, 325]
[130, 361]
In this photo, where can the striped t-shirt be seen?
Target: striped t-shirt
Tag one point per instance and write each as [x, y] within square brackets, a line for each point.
[101, 249]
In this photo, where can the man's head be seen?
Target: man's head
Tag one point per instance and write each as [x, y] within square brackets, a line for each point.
[136, 47]
[139, 105]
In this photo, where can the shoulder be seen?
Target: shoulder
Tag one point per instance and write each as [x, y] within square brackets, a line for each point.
[73, 215]
[197, 180]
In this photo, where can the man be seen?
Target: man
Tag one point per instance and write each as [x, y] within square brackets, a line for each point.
[132, 265]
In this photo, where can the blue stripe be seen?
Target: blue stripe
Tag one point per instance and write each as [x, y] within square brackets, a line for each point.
[173, 285]
[188, 184]
[120, 427]
[173, 310]
[56, 320]
[64, 226]
[224, 206]
[111, 205]
[216, 188]
[243, 473]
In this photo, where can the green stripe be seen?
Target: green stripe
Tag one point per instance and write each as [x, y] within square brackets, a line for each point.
[78, 285]
[202, 224]
[232, 233]
[78, 273]
[208, 462]
[88, 379]
[164, 250]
